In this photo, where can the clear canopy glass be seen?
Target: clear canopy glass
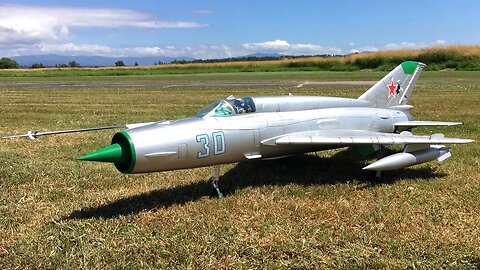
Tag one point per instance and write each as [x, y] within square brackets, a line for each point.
[228, 107]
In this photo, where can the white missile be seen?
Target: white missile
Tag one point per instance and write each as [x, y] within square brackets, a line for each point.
[405, 159]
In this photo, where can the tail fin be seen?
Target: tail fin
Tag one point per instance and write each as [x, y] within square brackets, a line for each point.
[396, 87]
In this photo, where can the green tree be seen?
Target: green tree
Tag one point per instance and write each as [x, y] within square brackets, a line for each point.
[37, 65]
[73, 64]
[8, 63]
[181, 62]
[136, 64]
[119, 63]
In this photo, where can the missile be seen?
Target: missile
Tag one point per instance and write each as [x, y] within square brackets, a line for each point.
[405, 159]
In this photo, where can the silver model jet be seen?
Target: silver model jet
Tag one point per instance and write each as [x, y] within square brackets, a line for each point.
[237, 129]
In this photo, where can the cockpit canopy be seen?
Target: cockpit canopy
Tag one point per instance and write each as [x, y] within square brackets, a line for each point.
[228, 107]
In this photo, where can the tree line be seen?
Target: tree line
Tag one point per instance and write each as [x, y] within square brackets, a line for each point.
[8, 63]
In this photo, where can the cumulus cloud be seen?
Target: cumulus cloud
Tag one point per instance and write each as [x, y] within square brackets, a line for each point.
[283, 47]
[198, 51]
[73, 49]
[194, 51]
[32, 24]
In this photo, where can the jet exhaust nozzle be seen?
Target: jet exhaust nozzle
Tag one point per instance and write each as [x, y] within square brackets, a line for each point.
[121, 152]
[406, 159]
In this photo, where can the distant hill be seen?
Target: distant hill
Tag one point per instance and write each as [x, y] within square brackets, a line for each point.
[50, 60]
[263, 55]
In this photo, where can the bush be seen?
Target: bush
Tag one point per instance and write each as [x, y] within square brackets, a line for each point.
[369, 62]
[437, 57]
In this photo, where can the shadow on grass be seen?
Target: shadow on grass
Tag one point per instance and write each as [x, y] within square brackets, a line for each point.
[305, 170]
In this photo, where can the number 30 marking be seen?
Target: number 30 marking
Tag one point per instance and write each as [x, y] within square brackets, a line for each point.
[218, 144]
[203, 138]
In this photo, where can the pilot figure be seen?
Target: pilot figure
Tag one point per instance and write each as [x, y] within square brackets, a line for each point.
[239, 105]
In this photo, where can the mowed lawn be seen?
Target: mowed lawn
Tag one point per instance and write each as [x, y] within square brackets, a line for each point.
[317, 210]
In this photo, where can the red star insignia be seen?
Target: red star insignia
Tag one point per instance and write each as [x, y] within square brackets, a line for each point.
[392, 88]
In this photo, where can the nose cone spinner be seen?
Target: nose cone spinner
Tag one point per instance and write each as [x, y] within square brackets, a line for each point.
[121, 152]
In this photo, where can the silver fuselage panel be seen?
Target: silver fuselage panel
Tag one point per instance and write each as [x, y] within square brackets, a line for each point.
[301, 103]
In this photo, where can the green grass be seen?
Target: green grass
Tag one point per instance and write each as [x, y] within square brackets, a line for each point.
[311, 211]
[210, 77]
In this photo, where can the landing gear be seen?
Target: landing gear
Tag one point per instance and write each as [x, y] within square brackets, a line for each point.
[375, 176]
[215, 177]
[381, 154]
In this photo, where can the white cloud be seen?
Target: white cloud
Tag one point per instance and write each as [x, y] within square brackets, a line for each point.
[33, 24]
[405, 45]
[144, 51]
[200, 51]
[73, 49]
[398, 46]
[365, 49]
[268, 45]
[197, 51]
[194, 51]
[283, 47]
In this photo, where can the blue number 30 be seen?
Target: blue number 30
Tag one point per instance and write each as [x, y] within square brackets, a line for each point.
[218, 144]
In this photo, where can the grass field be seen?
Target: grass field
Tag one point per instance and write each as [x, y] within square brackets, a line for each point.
[311, 211]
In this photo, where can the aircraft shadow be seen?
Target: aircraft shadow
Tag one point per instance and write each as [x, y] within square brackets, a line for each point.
[306, 170]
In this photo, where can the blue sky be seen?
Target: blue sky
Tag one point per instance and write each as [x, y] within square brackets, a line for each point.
[222, 28]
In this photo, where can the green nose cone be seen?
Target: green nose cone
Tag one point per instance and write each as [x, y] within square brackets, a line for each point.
[112, 153]
[121, 152]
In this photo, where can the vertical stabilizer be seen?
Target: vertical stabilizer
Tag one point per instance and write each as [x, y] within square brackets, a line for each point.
[396, 87]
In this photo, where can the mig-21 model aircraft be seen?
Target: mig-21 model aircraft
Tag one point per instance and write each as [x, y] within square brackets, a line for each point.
[237, 129]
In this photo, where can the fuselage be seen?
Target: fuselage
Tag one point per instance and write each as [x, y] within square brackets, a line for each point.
[211, 140]
[237, 129]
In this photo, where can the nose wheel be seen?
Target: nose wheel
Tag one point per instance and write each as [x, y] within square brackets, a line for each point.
[215, 177]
